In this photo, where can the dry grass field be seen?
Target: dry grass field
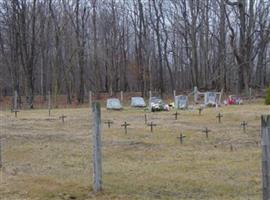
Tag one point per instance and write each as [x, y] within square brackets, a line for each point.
[46, 159]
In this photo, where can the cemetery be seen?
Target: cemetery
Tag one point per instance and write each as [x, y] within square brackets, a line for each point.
[98, 153]
[134, 99]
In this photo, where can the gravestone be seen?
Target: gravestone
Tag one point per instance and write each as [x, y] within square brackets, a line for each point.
[114, 104]
[181, 102]
[210, 99]
[137, 102]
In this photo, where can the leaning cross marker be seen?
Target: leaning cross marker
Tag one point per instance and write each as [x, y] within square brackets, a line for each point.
[151, 126]
[63, 118]
[109, 122]
[125, 125]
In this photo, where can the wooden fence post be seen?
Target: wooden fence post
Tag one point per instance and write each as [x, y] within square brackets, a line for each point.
[121, 97]
[195, 94]
[1, 162]
[15, 108]
[265, 145]
[250, 94]
[96, 134]
[90, 98]
[49, 103]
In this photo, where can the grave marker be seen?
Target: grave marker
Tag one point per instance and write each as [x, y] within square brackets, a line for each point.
[181, 137]
[125, 125]
[244, 124]
[206, 131]
[109, 123]
[176, 115]
[62, 117]
[97, 156]
[151, 126]
[219, 116]
[15, 111]
[200, 110]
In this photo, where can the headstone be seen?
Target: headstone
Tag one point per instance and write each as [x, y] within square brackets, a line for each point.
[210, 99]
[137, 102]
[181, 102]
[97, 156]
[265, 145]
[114, 104]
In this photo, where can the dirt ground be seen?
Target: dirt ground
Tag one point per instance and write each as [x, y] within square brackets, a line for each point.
[46, 159]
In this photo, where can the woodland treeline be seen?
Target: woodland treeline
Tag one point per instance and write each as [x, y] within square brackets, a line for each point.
[73, 46]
